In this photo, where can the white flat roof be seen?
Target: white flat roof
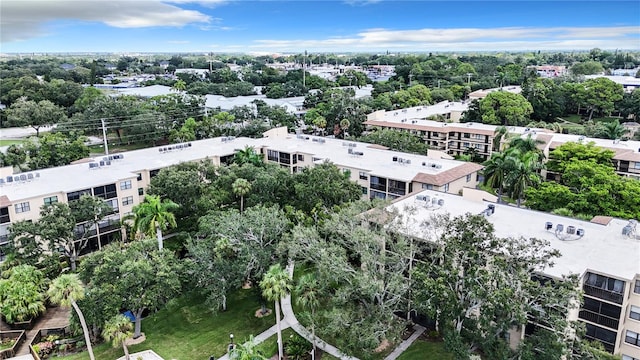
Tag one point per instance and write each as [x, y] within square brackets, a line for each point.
[79, 176]
[603, 248]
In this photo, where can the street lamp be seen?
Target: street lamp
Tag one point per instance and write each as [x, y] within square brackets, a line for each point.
[231, 345]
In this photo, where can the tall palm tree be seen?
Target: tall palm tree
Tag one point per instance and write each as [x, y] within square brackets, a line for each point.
[117, 330]
[498, 135]
[321, 123]
[526, 144]
[308, 292]
[275, 285]
[495, 171]
[241, 187]
[523, 173]
[65, 290]
[179, 85]
[154, 215]
[246, 351]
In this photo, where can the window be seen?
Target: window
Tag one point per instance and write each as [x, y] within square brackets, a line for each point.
[636, 289]
[397, 187]
[446, 187]
[75, 195]
[627, 357]
[300, 157]
[466, 135]
[22, 207]
[634, 312]
[125, 185]
[272, 155]
[140, 191]
[465, 144]
[363, 176]
[4, 215]
[632, 338]
[127, 201]
[636, 165]
[427, 186]
[50, 200]
[113, 203]
[468, 177]
[365, 191]
[139, 177]
[106, 191]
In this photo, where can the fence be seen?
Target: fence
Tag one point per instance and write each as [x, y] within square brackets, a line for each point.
[18, 335]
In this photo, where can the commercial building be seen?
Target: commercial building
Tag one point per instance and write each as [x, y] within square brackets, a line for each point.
[121, 179]
[603, 252]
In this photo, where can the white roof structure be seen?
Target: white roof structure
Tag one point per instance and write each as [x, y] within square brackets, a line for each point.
[149, 91]
[228, 103]
[602, 248]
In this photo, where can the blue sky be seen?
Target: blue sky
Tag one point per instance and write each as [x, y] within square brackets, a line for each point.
[317, 26]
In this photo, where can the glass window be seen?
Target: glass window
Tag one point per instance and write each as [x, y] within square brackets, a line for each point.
[75, 195]
[365, 191]
[468, 177]
[363, 175]
[636, 165]
[632, 338]
[50, 200]
[22, 207]
[127, 201]
[140, 191]
[4, 215]
[636, 289]
[634, 312]
[427, 186]
[139, 177]
[300, 157]
[446, 187]
[125, 185]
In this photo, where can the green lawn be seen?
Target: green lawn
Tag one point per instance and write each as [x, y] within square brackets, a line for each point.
[426, 350]
[10, 142]
[187, 330]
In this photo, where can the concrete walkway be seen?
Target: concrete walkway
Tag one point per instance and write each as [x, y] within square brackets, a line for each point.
[418, 330]
[290, 321]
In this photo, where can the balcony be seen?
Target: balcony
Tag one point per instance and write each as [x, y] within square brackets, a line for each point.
[608, 295]
[599, 319]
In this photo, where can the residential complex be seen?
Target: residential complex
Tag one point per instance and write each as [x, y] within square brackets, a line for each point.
[604, 253]
[455, 138]
[121, 179]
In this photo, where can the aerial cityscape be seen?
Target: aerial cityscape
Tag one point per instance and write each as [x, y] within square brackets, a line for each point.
[338, 179]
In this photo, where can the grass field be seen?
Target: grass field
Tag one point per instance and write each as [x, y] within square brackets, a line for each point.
[10, 142]
[187, 330]
[426, 350]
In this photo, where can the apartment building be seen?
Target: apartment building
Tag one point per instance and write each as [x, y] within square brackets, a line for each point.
[604, 253]
[121, 179]
[454, 138]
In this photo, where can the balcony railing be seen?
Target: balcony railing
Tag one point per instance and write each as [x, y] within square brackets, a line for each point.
[599, 319]
[604, 294]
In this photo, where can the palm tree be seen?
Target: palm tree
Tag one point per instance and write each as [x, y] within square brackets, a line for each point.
[613, 130]
[495, 171]
[117, 330]
[526, 144]
[308, 291]
[246, 351]
[498, 135]
[154, 216]
[275, 285]
[523, 173]
[65, 290]
[247, 155]
[179, 85]
[241, 187]
[321, 123]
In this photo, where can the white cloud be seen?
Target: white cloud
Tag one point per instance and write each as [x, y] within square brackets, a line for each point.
[24, 19]
[512, 38]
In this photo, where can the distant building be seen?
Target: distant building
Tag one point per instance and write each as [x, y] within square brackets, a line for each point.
[67, 66]
[482, 93]
[550, 71]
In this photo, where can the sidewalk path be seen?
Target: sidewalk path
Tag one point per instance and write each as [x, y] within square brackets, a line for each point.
[418, 330]
[263, 336]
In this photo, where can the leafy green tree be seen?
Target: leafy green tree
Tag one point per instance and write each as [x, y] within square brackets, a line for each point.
[275, 285]
[403, 141]
[22, 294]
[569, 151]
[241, 187]
[155, 216]
[68, 227]
[630, 105]
[246, 351]
[153, 277]
[319, 188]
[66, 290]
[505, 108]
[55, 149]
[587, 68]
[25, 112]
[600, 94]
[179, 85]
[477, 286]
[117, 330]
[15, 156]
[548, 99]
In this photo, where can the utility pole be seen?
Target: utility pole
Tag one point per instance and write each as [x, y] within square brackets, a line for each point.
[104, 137]
[304, 64]
[469, 78]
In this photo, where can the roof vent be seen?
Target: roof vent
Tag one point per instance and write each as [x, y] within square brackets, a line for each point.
[548, 225]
